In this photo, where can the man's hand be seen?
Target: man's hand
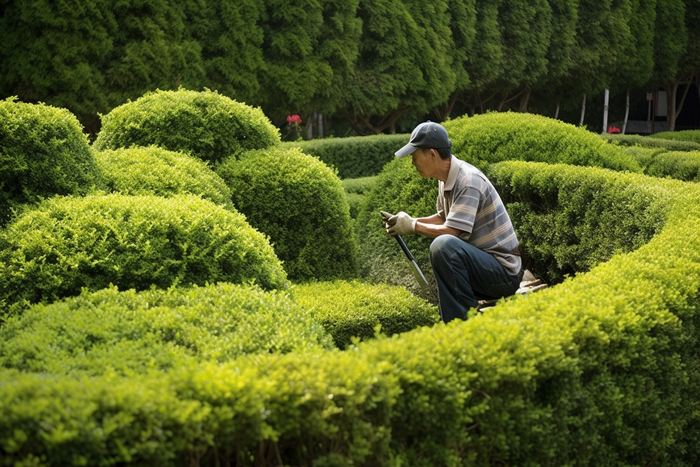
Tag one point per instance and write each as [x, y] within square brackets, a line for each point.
[399, 224]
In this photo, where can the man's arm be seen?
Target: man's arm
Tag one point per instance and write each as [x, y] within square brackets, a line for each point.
[434, 226]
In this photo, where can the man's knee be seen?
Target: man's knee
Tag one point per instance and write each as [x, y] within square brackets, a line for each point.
[442, 247]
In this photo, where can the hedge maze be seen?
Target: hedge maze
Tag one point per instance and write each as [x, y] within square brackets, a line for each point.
[219, 303]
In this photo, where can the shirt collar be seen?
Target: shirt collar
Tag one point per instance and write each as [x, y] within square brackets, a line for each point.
[452, 175]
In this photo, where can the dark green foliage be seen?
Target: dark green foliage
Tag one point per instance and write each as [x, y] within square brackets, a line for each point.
[355, 190]
[567, 223]
[131, 332]
[204, 124]
[354, 157]
[496, 137]
[300, 204]
[156, 171]
[132, 242]
[350, 310]
[685, 135]
[43, 152]
[675, 164]
[648, 142]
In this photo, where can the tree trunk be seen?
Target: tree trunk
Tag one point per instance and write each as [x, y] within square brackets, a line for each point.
[583, 109]
[627, 112]
[556, 114]
[443, 111]
[525, 101]
[606, 107]
[675, 110]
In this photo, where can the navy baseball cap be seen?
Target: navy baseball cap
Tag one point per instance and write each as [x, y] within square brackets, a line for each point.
[429, 135]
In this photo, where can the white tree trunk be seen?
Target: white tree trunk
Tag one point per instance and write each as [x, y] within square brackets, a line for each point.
[606, 102]
[583, 109]
[627, 113]
[556, 114]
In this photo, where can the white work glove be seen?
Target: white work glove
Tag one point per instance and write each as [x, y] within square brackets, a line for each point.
[399, 224]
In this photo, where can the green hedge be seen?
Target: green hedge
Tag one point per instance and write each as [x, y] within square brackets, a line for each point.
[156, 171]
[204, 124]
[685, 135]
[683, 165]
[501, 136]
[129, 333]
[651, 141]
[599, 370]
[350, 310]
[355, 191]
[43, 152]
[299, 203]
[136, 242]
[354, 157]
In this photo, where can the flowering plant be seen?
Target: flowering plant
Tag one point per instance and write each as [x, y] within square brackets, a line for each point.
[613, 129]
[293, 122]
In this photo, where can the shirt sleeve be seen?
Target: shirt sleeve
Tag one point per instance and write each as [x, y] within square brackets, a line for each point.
[465, 205]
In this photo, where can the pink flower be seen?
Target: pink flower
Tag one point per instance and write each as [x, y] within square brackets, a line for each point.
[296, 119]
[612, 129]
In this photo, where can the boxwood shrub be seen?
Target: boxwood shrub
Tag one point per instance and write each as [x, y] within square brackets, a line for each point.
[500, 136]
[681, 165]
[354, 157]
[204, 124]
[350, 310]
[601, 369]
[300, 204]
[651, 142]
[43, 152]
[156, 171]
[355, 191]
[70, 243]
[131, 332]
[684, 135]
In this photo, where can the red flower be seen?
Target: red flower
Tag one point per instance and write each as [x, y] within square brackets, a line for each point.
[294, 119]
[612, 129]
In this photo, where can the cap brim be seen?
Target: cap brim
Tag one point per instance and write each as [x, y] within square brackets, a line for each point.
[406, 150]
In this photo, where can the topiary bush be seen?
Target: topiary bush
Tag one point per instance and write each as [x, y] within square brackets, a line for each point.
[43, 152]
[353, 157]
[156, 171]
[676, 164]
[355, 191]
[501, 136]
[68, 243]
[204, 124]
[649, 142]
[129, 333]
[350, 310]
[300, 204]
[684, 135]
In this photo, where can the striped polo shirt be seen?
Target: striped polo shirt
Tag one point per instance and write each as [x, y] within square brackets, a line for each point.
[467, 201]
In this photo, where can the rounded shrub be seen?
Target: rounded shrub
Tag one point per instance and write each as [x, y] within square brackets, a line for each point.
[204, 124]
[501, 136]
[70, 243]
[300, 204]
[350, 310]
[680, 165]
[684, 135]
[43, 152]
[137, 332]
[156, 171]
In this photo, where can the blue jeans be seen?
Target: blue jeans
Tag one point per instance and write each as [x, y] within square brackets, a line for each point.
[465, 274]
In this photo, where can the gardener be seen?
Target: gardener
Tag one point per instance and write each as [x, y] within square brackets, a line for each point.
[475, 253]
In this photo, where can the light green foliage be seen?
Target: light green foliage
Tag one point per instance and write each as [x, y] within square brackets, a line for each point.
[567, 222]
[685, 135]
[204, 124]
[350, 310]
[298, 202]
[129, 333]
[499, 136]
[156, 171]
[354, 157]
[643, 155]
[136, 242]
[43, 152]
[649, 142]
[675, 164]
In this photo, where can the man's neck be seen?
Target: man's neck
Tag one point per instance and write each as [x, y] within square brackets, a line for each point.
[443, 170]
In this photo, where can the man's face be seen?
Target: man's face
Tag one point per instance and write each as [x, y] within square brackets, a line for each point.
[423, 161]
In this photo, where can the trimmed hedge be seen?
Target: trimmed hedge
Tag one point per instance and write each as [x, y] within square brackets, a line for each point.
[350, 310]
[651, 142]
[685, 135]
[204, 124]
[355, 191]
[157, 171]
[299, 203]
[599, 370]
[356, 156]
[67, 244]
[129, 333]
[501, 136]
[676, 164]
[43, 152]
